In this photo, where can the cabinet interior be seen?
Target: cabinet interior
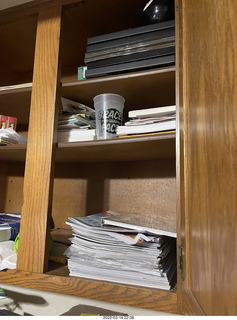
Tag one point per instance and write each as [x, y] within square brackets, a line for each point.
[18, 35]
[137, 175]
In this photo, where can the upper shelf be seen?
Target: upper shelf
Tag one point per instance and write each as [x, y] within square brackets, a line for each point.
[142, 89]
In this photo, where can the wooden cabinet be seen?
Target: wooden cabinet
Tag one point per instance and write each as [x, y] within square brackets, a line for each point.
[208, 168]
[48, 181]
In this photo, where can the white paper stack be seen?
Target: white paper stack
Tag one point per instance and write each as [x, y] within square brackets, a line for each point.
[10, 136]
[74, 135]
[76, 122]
[151, 120]
[123, 255]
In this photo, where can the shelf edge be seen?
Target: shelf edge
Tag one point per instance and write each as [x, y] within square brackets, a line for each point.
[139, 297]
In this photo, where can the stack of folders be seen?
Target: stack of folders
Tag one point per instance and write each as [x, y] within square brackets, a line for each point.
[76, 122]
[129, 50]
[105, 248]
[149, 121]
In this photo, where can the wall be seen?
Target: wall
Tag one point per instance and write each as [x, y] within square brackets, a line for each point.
[11, 3]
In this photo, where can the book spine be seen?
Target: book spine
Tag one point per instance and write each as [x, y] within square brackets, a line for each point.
[4, 122]
[12, 123]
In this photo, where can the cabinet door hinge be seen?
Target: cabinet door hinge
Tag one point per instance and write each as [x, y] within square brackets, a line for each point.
[181, 261]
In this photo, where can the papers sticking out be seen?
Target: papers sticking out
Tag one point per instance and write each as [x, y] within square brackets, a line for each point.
[119, 254]
[8, 256]
[138, 223]
[151, 120]
[147, 128]
[76, 122]
[153, 112]
[77, 108]
[10, 136]
[137, 122]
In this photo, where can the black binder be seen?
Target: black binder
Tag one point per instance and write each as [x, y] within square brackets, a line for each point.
[129, 40]
[131, 57]
[131, 66]
[131, 32]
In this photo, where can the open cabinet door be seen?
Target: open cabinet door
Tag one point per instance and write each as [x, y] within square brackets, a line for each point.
[207, 155]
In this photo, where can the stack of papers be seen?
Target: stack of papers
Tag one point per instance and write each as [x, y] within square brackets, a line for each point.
[76, 122]
[150, 120]
[127, 255]
[10, 136]
[74, 135]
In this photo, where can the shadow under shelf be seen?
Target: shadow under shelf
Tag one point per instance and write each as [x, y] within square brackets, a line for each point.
[129, 149]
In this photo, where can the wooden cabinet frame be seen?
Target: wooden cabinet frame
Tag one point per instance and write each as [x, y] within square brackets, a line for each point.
[195, 110]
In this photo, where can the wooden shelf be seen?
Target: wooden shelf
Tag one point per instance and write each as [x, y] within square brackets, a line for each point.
[13, 152]
[143, 89]
[129, 149]
[135, 296]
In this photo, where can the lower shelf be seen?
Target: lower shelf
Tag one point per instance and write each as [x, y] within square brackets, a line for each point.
[129, 149]
[57, 281]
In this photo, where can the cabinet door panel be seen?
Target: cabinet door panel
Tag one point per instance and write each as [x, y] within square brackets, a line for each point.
[208, 155]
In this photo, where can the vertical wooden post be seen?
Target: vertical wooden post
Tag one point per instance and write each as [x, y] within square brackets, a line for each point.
[39, 170]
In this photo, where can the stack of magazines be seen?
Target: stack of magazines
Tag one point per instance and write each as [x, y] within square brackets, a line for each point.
[149, 121]
[103, 247]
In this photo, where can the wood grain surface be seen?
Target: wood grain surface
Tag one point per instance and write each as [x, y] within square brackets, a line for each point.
[135, 296]
[38, 179]
[210, 153]
[144, 164]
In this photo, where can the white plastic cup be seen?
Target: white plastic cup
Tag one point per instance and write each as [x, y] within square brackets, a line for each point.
[108, 114]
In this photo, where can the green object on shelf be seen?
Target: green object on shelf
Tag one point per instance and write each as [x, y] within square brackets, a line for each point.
[16, 243]
[2, 293]
[81, 73]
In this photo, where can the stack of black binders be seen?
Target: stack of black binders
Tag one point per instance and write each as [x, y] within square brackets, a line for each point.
[129, 50]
